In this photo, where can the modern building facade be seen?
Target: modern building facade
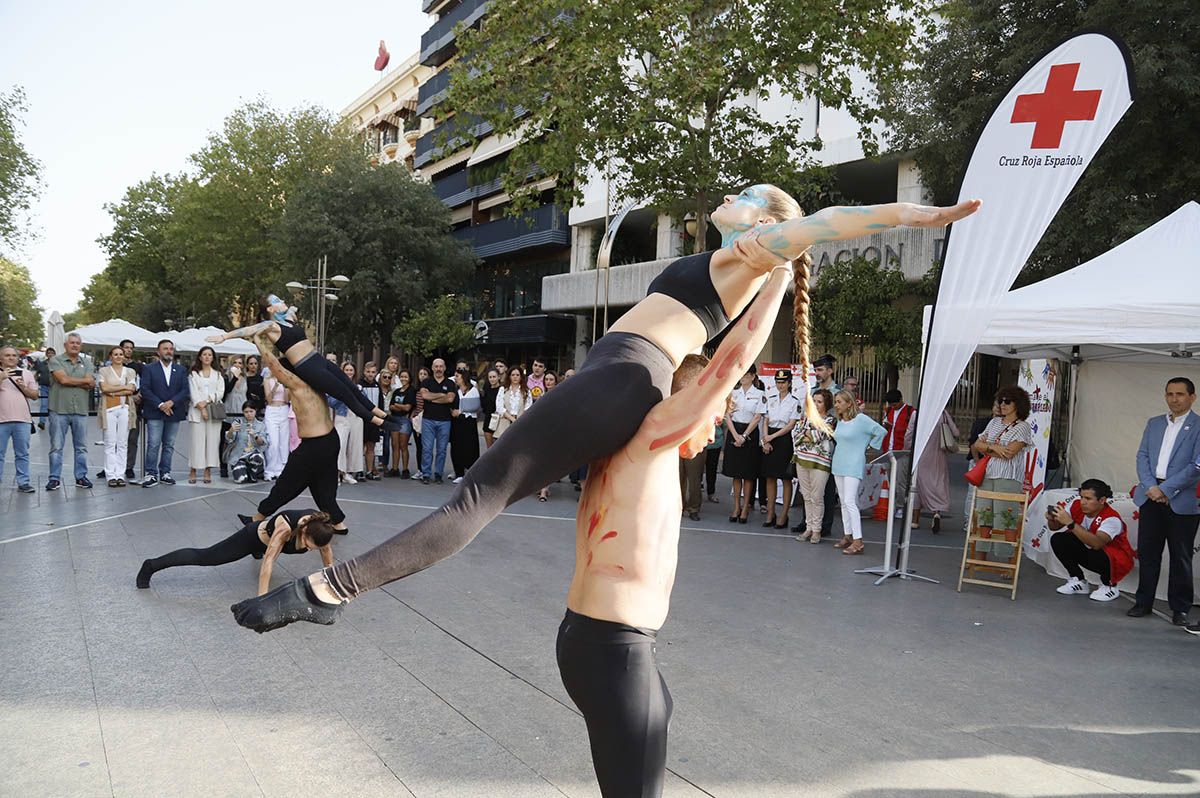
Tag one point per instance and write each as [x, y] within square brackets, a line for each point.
[385, 114]
[462, 159]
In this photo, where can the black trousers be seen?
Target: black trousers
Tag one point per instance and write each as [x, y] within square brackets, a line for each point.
[242, 543]
[1160, 524]
[1075, 556]
[711, 458]
[313, 465]
[464, 443]
[327, 378]
[131, 447]
[610, 673]
[623, 378]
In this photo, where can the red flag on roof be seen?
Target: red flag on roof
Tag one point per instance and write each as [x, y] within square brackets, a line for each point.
[381, 60]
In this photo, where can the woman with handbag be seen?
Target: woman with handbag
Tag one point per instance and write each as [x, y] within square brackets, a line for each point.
[1001, 448]
[487, 404]
[207, 387]
[933, 472]
[512, 400]
[118, 384]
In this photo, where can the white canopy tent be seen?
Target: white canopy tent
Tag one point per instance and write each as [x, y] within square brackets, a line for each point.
[114, 331]
[1127, 321]
[192, 340]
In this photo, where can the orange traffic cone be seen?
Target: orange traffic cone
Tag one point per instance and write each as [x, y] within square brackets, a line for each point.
[881, 506]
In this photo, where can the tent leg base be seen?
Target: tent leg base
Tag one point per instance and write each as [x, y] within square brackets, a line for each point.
[887, 573]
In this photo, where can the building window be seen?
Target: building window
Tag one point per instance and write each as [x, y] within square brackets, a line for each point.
[503, 290]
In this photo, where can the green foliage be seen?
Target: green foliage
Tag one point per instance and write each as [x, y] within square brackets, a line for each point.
[857, 305]
[18, 299]
[385, 231]
[1144, 171]
[263, 199]
[660, 89]
[20, 173]
[437, 328]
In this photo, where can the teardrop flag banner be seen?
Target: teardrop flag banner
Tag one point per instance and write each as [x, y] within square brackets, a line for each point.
[1035, 147]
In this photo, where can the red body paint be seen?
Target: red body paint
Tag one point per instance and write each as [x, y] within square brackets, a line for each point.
[612, 533]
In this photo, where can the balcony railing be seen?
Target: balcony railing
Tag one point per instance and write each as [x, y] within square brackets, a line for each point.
[455, 189]
[432, 92]
[427, 148]
[545, 226]
[437, 43]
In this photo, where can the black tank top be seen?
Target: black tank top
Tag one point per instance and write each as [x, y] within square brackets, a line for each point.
[289, 335]
[293, 519]
[688, 280]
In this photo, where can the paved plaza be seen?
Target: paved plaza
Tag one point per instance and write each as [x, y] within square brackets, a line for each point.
[791, 675]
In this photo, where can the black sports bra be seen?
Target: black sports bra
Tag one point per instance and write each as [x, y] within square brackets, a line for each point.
[289, 335]
[293, 519]
[687, 280]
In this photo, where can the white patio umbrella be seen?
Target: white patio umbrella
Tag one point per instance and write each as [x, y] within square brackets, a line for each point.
[55, 336]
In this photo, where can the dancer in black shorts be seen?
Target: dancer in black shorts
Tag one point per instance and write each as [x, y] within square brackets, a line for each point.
[278, 324]
[626, 374]
[289, 532]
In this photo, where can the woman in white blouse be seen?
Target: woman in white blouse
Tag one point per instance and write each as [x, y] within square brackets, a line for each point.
[780, 414]
[742, 448]
[207, 388]
[512, 401]
[118, 384]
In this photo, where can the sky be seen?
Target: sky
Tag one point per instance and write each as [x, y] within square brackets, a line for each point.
[119, 91]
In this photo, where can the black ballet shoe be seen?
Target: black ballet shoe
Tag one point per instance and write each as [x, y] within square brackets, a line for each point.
[286, 604]
[143, 577]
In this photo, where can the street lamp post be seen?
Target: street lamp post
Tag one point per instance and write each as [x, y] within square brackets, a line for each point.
[327, 289]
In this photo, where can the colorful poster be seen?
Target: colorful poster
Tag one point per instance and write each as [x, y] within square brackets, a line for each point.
[1038, 378]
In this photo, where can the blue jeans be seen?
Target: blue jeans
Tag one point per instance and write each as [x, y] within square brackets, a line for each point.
[437, 436]
[160, 432]
[59, 424]
[44, 396]
[19, 432]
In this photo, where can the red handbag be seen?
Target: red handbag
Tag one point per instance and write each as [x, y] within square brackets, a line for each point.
[978, 471]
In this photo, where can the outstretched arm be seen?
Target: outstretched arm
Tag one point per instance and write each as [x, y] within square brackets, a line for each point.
[279, 536]
[786, 240]
[682, 414]
[245, 332]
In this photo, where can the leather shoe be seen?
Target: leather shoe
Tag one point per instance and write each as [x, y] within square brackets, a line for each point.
[1137, 612]
[1179, 618]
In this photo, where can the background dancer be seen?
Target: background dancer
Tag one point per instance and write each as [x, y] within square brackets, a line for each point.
[289, 532]
[312, 464]
[302, 358]
[627, 372]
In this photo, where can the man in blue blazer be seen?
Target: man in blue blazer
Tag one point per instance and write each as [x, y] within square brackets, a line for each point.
[1166, 494]
[164, 404]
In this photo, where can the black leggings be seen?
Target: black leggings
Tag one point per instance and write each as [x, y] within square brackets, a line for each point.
[610, 673]
[312, 465]
[1075, 556]
[585, 418]
[711, 458]
[327, 378]
[243, 543]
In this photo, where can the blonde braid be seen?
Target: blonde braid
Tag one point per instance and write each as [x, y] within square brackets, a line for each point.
[801, 271]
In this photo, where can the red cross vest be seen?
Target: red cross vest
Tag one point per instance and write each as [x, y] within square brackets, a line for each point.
[1120, 554]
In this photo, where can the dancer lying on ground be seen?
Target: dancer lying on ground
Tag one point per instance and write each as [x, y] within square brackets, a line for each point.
[627, 372]
[289, 532]
[312, 464]
[302, 358]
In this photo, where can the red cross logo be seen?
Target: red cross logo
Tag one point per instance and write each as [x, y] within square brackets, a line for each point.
[1058, 104]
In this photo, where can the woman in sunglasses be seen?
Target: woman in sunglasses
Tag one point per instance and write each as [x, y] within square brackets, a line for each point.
[1003, 441]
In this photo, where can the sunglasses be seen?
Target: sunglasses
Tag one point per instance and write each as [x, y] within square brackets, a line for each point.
[1006, 402]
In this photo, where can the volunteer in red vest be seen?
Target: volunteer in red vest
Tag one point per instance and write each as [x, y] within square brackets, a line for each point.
[1092, 536]
[896, 417]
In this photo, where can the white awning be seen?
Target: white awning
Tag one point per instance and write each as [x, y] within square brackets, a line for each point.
[492, 146]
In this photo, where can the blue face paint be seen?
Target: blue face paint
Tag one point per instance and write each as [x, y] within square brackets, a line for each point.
[278, 315]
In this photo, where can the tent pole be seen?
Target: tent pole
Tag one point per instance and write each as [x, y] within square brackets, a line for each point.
[1071, 416]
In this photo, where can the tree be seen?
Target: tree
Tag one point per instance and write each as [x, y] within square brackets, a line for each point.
[1140, 174]
[857, 305]
[436, 328]
[388, 233]
[20, 173]
[20, 315]
[659, 89]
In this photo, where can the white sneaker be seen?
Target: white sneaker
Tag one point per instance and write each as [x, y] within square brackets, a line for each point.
[457, 480]
[1105, 593]
[349, 480]
[1073, 586]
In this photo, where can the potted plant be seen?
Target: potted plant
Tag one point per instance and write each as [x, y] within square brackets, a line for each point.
[984, 517]
[1008, 523]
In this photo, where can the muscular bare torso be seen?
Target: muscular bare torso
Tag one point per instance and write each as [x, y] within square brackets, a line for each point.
[627, 540]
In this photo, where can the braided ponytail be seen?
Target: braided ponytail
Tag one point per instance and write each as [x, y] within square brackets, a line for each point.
[801, 273]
